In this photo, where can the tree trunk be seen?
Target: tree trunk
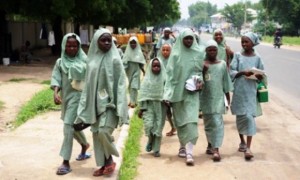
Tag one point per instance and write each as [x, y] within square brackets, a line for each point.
[58, 35]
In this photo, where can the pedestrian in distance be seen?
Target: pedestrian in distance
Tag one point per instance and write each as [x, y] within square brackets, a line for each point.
[133, 61]
[217, 82]
[164, 55]
[103, 103]
[152, 107]
[167, 38]
[244, 100]
[184, 80]
[67, 81]
[224, 51]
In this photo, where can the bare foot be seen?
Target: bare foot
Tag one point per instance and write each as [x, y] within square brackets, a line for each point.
[171, 132]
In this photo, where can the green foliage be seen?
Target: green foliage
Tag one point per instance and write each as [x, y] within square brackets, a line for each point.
[128, 169]
[287, 40]
[200, 13]
[285, 12]
[47, 82]
[235, 14]
[19, 79]
[40, 102]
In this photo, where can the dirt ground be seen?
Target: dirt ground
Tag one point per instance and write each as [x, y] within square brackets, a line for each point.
[31, 151]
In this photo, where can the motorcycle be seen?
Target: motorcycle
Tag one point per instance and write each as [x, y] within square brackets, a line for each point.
[277, 42]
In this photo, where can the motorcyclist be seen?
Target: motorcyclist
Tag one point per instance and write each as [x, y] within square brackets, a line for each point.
[277, 37]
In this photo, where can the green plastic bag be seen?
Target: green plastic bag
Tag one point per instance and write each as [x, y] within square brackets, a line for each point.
[262, 93]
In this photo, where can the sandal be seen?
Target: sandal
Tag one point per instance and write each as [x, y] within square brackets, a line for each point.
[171, 133]
[216, 156]
[242, 147]
[99, 172]
[248, 154]
[189, 160]
[63, 169]
[148, 147]
[156, 154]
[182, 152]
[209, 150]
[109, 169]
[82, 157]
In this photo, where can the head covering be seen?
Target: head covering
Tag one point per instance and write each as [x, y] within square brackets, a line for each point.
[221, 46]
[253, 37]
[161, 57]
[152, 87]
[105, 83]
[134, 55]
[167, 29]
[211, 43]
[73, 66]
[183, 63]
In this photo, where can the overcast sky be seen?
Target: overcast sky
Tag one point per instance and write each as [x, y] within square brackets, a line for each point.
[184, 4]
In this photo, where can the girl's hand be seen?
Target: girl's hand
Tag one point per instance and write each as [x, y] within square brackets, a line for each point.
[199, 85]
[57, 99]
[140, 114]
[259, 76]
[248, 73]
[167, 103]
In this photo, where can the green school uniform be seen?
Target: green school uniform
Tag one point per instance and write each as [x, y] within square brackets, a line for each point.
[183, 64]
[103, 103]
[150, 101]
[67, 70]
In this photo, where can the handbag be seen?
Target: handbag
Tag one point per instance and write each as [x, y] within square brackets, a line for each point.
[262, 93]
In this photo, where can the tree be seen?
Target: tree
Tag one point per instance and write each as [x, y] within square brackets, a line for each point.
[200, 13]
[285, 12]
[235, 14]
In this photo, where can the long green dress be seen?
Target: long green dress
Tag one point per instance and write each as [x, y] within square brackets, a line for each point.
[217, 82]
[183, 64]
[150, 101]
[133, 59]
[103, 103]
[66, 71]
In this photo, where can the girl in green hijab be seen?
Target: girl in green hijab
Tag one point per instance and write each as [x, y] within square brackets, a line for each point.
[152, 107]
[224, 51]
[67, 79]
[133, 61]
[185, 63]
[103, 103]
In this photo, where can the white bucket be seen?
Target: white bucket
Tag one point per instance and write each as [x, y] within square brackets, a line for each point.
[6, 61]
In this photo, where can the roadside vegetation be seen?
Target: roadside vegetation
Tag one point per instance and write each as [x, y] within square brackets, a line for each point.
[131, 151]
[41, 102]
[19, 79]
[286, 40]
[1, 105]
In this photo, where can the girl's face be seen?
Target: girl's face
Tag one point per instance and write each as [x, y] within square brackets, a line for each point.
[105, 42]
[218, 37]
[188, 41]
[211, 52]
[166, 51]
[155, 66]
[72, 47]
[132, 44]
[246, 43]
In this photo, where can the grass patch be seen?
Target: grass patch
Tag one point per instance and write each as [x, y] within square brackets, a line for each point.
[1, 105]
[40, 102]
[286, 40]
[131, 151]
[18, 79]
[47, 82]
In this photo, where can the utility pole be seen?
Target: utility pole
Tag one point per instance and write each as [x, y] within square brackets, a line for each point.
[245, 15]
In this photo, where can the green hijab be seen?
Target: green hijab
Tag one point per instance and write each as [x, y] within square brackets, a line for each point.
[152, 87]
[75, 67]
[162, 58]
[221, 46]
[134, 55]
[112, 83]
[183, 64]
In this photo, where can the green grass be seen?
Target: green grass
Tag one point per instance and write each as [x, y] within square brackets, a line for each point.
[40, 102]
[1, 105]
[131, 151]
[47, 82]
[286, 40]
[18, 79]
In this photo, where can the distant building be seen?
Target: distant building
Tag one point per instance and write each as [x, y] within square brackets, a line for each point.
[219, 21]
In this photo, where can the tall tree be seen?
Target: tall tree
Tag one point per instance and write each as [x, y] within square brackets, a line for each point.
[235, 14]
[200, 13]
[285, 12]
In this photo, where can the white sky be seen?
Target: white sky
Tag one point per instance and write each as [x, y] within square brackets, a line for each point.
[184, 4]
